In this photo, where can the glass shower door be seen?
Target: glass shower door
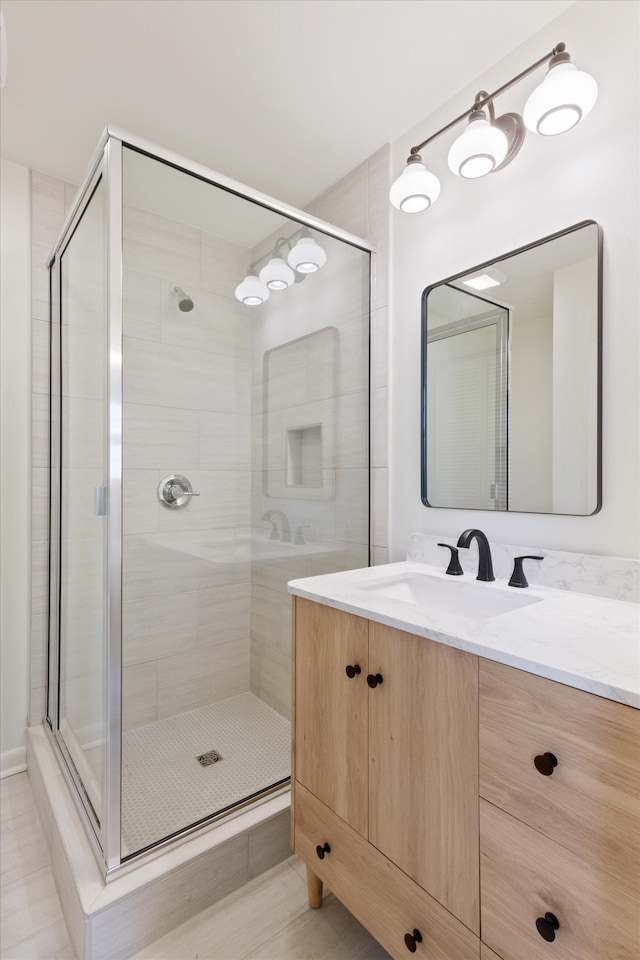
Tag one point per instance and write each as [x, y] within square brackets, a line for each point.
[82, 500]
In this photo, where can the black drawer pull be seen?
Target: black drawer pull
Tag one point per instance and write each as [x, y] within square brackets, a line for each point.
[547, 926]
[351, 671]
[411, 940]
[322, 850]
[545, 763]
[374, 679]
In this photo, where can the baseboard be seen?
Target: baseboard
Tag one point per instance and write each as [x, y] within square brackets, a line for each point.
[12, 762]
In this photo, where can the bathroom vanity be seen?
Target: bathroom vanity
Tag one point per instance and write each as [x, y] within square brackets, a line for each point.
[458, 799]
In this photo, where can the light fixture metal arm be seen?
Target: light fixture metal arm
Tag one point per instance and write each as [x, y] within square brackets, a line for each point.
[487, 98]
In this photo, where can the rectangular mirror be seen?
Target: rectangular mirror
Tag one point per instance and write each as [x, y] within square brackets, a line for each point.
[511, 380]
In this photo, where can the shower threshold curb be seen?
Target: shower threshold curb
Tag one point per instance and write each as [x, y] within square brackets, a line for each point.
[113, 920]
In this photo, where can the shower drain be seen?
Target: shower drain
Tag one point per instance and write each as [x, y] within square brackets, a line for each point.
[206, 759]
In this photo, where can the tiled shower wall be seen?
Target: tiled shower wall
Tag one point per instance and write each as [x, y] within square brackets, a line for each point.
[310, 366]
[358, 204]
[186, 410]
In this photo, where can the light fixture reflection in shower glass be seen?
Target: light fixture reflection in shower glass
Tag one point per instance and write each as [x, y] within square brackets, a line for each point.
[252, 292]
[307, 256]
[479, 149]
[276, 274]
[563, 99]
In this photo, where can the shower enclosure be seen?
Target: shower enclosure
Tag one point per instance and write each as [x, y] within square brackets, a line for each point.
[209, 442]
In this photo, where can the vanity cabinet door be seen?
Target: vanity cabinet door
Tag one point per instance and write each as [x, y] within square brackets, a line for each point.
[423, 765]
[331, 709]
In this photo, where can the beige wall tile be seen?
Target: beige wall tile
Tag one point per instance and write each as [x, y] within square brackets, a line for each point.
[222, 265]
[139, 694]
[224, 613]
[39, 430]
[379, 407]
[379, 348]
[224, 441]
[352, 505]
[141, 305]
[39, 503]
[271, 617]
[39, 281]
[40, 356]
[160, 438]
[160, 248]
[345, 203]
[269, 844]
[197, 677]
[162, 627]
[379, 533]
[140, 506]
[214, 324]
[39, 576]
[161, 374]
[47, 208]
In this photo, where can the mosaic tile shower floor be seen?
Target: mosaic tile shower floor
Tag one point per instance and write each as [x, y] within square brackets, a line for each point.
[165, 788]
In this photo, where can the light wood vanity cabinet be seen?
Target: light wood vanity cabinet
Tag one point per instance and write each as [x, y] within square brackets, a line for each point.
[386, 775]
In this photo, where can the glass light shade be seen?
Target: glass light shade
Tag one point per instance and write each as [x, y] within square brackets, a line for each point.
[564, 97]
[276, 274]
[478, 150]
[415, 189]
[252, 292]
[307, 256]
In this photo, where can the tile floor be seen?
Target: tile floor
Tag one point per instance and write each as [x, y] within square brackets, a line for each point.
[268, 919]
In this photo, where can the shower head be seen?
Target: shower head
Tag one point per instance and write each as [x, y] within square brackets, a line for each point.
[185, 303]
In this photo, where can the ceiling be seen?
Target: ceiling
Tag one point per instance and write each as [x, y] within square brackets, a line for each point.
[285, 95]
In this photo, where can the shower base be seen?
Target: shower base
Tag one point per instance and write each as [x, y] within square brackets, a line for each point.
[165, 787]
[113, 919]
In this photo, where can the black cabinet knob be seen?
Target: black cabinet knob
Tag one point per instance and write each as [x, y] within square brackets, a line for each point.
[374, 679]
[411, 940]
[547, 926]
[351, 671]
[321, 850]
[545, 763]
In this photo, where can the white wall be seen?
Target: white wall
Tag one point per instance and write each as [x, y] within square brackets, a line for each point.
[15, 432]
[590, 172]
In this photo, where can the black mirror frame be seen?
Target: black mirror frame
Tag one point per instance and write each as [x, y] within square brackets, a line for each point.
[423, 371]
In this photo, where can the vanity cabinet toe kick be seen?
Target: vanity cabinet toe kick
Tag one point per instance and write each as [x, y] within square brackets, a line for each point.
[460, 808]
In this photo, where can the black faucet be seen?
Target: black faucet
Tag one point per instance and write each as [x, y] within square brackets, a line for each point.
[485, 566]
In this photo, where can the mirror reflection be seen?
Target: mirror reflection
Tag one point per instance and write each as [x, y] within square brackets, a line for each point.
[511, 394]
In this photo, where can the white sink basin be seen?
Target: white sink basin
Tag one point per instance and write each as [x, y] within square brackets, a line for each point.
[461, 598]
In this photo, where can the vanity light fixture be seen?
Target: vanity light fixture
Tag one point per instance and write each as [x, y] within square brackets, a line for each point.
[489, 143]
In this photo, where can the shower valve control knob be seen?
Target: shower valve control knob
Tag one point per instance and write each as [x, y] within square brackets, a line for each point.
[175, 491]
[352, 670]
[323, 850]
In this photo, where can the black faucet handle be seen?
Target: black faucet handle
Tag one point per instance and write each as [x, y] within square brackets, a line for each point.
[454, 569]
[518, 578]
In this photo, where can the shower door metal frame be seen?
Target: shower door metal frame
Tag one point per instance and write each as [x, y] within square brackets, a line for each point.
[106, 164]
[104, 833]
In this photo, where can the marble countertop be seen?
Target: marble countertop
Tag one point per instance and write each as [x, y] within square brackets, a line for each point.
[586, 642]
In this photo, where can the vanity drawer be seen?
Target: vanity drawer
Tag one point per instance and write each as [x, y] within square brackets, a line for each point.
[378, 894]
[590, 801]
[524, 875]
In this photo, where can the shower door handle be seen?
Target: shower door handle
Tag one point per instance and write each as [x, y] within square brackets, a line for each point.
[101, 502]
